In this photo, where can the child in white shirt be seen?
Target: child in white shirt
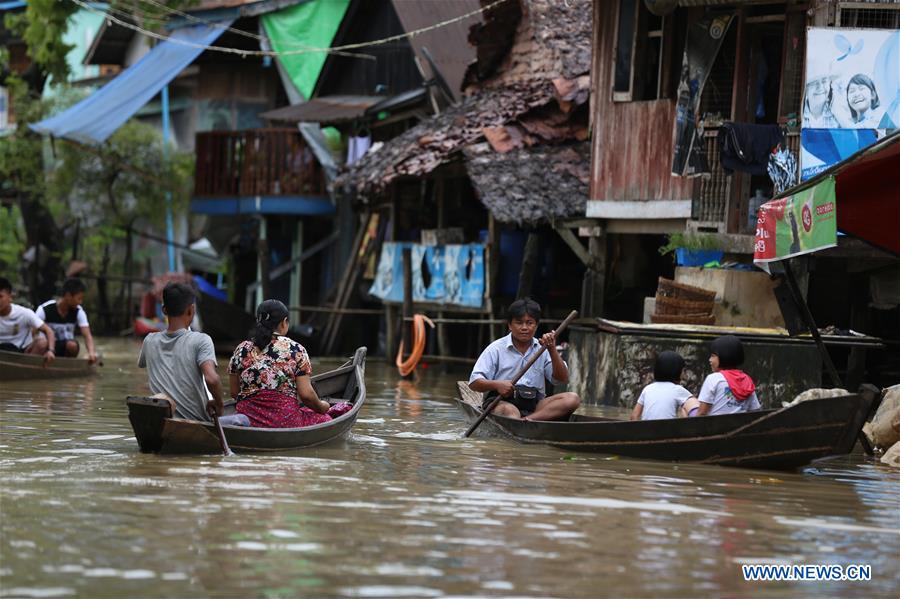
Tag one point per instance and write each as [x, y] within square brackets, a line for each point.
[664, 397]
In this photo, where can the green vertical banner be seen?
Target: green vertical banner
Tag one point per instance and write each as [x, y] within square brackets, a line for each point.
[799, 224]
[299, 33]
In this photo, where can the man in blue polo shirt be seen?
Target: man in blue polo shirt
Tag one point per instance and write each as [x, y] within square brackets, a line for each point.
[501, 361]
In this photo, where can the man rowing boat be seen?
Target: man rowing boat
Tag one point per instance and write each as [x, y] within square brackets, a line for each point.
[502, 360]
[181, 363]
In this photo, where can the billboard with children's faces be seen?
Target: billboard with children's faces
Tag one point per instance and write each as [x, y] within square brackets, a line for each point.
[852, 94]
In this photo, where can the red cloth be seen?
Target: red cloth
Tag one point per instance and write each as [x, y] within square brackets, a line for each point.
[271, 409]
[740, 383]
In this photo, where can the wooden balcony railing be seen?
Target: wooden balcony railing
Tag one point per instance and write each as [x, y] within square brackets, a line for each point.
[256, 162]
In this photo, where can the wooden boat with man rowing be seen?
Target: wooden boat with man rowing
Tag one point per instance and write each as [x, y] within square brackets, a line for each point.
[158, 431]
[781, 439]
[17, 367]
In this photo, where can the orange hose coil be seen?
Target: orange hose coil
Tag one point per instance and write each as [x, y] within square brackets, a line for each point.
[406, 367]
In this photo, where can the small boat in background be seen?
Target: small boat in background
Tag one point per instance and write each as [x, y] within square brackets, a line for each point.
[157, 431]
[224, 322]
[782, 439]
[17, 367]
[143, 326]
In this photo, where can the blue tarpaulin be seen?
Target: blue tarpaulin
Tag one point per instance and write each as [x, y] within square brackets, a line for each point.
[95, 118]
[288, 204]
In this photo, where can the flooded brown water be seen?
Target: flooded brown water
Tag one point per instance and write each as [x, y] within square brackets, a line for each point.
[405, 508]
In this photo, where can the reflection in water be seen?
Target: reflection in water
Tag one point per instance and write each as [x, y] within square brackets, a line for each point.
[403, 508]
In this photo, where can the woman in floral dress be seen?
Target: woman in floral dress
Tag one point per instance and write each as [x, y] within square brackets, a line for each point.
[270, 376]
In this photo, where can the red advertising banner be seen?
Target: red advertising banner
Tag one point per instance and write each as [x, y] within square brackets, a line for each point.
[802, 223]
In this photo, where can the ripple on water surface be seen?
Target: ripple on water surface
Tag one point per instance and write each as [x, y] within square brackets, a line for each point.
[403, 508]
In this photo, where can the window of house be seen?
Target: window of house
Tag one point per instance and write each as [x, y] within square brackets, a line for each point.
[639, 56]
[792, 76]
[716, 98]
[879, 15]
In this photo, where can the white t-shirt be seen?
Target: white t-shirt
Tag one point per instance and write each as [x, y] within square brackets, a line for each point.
[16, 326]
[715, 391]
[662, 400]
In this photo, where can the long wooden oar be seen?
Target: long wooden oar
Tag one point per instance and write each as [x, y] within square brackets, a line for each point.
[226, 451]
[520, 374]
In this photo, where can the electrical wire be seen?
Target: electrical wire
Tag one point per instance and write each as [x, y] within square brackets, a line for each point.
[306, 50]
[263, 40]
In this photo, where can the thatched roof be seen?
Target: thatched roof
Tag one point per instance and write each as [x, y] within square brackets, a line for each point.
[523, 106]
[551, 39]
[531, 184]
[426, 146]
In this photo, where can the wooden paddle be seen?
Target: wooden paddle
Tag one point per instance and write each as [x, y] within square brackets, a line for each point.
[520, 374]
[226, 451]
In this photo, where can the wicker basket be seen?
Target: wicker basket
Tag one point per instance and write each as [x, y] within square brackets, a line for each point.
[669, 288]
[675, 305]
[683, 318]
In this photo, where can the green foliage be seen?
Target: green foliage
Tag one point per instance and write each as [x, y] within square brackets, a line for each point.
[42, 26]
[22, 152]
[125, 179]
[689, 241]
[12, 243]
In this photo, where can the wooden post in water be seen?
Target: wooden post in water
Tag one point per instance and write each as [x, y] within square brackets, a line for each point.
[594, 284]
[390, 332]
[814, 331]
[492, 268]
[443, 342]
[406, 326]
[811, 324]
[262, 248]
[531, 255]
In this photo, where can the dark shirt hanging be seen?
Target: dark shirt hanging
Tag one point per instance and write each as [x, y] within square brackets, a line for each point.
[746, 148]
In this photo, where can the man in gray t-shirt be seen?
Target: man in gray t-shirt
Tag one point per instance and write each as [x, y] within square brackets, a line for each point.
[179, 361]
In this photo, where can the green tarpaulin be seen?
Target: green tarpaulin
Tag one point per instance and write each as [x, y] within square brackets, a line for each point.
[311, 24]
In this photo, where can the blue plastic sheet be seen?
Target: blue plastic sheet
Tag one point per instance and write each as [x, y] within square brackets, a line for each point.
[95, 118]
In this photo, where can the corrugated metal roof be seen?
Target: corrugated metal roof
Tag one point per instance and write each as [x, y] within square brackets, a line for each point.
[325, 109]
[413, 97]
[110, 44]
[448, 45]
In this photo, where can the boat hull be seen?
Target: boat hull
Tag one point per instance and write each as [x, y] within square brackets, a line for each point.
[783, 439]
[157, 431]
[18, 367]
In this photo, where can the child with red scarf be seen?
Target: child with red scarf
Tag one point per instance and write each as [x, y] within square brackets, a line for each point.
[728, 390]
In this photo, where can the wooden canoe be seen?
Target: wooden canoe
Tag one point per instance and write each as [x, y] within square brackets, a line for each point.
[157, 431]
[17, 367]
[782, 439]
